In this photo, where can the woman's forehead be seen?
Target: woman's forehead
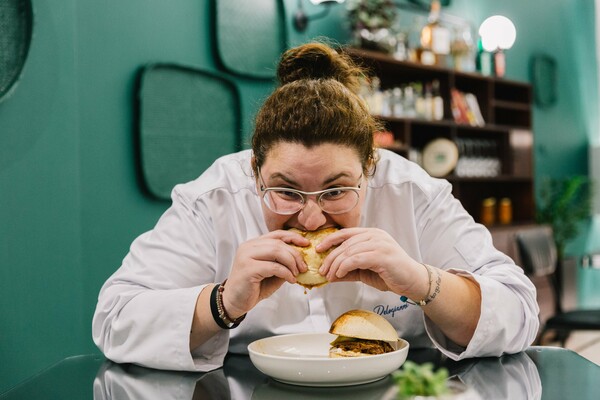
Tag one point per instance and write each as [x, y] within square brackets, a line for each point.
[325, 160]
[303, 156]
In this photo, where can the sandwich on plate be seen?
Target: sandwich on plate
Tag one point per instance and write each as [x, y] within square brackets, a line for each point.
[362, 333]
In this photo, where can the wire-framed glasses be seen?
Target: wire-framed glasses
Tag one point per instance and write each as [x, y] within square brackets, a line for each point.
[287, 201]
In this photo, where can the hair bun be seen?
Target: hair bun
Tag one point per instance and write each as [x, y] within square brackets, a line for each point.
[318, 61]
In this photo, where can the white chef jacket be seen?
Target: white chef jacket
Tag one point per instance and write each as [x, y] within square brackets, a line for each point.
[145, 309]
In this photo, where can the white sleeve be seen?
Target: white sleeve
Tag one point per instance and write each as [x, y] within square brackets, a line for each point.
[145, 309]
[509, 310]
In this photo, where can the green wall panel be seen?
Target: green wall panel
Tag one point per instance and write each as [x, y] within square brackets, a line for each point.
[187, 118]
[239, 24]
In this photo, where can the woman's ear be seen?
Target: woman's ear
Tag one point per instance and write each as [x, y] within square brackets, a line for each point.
[371, 164]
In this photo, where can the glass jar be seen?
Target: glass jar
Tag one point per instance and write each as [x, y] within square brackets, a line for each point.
[505, 212]
[488, 211]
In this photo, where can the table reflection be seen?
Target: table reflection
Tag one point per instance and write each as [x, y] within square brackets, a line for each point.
[273, 390]
[125, 381]
[508, 377]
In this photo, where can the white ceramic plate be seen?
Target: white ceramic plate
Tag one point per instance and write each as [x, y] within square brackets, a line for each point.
[440, 157]
[303, 359]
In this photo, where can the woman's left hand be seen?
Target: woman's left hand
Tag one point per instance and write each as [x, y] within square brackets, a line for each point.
[372, 256]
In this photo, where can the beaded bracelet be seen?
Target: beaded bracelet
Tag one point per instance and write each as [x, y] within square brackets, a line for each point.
[218, 309]
[430, 296]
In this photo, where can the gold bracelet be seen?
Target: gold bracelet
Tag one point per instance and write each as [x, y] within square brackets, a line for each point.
[430, 296]
[436, 291]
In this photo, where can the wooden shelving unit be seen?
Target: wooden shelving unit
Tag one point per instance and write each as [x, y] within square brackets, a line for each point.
[506, 108]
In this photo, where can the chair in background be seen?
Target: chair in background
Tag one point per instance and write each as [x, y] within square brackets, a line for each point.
[539, 258]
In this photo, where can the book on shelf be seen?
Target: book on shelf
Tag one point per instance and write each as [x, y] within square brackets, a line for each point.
[465, 108]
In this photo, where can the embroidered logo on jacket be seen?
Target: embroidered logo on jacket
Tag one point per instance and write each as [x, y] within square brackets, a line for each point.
[386, 309]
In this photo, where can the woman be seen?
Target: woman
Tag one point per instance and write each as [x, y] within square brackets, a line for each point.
[220, 257]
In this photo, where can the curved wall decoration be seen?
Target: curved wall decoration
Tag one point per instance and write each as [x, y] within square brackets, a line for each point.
[16, 25]
[187, 118]
[250, 36]
[543, 71]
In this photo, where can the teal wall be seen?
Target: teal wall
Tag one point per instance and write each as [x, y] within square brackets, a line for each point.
[70, 198]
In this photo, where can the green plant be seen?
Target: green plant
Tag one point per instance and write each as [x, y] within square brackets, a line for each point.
[371, 14]
[563, 203]
[420, 380]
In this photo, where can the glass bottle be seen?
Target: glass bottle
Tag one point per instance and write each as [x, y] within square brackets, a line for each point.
[398, 106]
[401, 50]
[419, 100]
[428, 102]
[437, 101]
[377, 99]
[409, 102]
[463, 49]
[414, 39]
[435, 38]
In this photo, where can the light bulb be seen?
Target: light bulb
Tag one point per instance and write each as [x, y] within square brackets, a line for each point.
[497, 32]
[489, 43]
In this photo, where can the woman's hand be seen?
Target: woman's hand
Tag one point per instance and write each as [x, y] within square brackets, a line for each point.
[372, 256]
[260, 267]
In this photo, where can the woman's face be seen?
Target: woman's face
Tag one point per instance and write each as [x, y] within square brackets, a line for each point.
[292, 165]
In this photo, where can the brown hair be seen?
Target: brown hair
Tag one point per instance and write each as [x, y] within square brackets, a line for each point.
[316, 102]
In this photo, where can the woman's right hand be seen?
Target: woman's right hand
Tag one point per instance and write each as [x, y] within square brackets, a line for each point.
[260, 267]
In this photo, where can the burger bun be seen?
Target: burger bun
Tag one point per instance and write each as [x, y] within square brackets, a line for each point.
[312, 278]
[363, 324]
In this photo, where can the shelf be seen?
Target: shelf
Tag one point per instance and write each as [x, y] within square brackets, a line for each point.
[445, 123]
[511, 105]
[506, 108]
[487, 179]
[369, 56]
[514, 226]
[401, 149]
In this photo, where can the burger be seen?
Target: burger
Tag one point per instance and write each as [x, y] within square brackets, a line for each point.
[312, 278]
[362, 333]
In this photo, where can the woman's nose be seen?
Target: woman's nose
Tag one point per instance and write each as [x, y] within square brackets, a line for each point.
[311, 216]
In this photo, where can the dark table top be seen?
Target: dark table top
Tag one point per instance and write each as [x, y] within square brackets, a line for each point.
[537, 373]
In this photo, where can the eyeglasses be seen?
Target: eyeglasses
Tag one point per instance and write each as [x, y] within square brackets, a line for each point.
[286, 201]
